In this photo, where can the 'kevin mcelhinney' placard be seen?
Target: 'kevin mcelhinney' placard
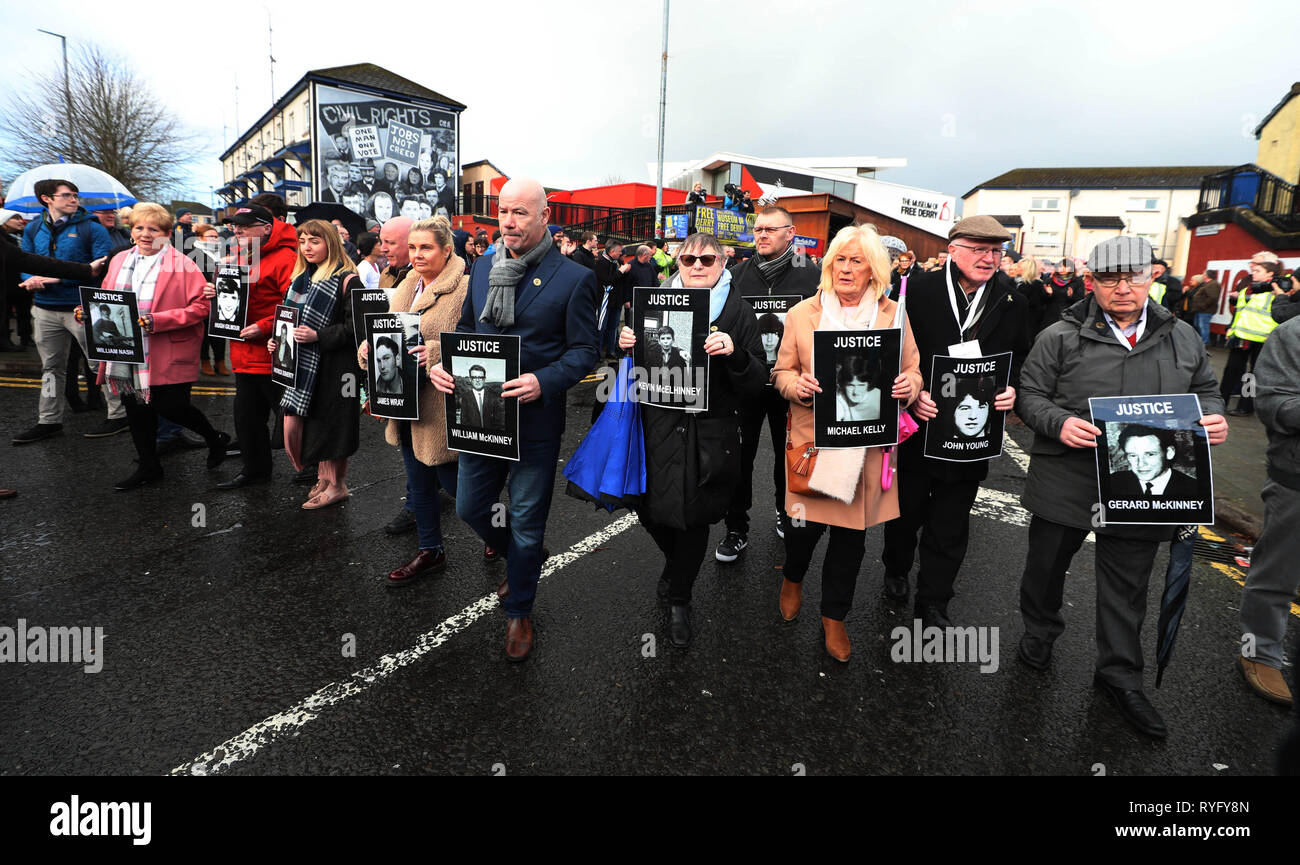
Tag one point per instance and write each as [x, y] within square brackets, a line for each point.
[856, 370]
[112, 323]
[479, 419]
[366, 301]
[770, 311]
[672, 369]
[967, 427]
[1153, 460]
[229, 313]
[393, 373]
[284, 360]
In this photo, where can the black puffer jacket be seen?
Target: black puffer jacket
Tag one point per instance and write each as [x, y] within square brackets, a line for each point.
[693, 458]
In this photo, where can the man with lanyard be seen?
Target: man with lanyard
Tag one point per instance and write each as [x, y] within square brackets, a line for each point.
[969, 308]
[778, 268]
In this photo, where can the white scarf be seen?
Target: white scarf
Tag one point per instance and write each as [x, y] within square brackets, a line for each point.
[837, 472]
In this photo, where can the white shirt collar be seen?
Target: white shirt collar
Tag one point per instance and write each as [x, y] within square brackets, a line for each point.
[1122, 333]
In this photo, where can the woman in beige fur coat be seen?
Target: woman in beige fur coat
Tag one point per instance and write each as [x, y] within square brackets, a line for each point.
[853, 295]
[435, 288]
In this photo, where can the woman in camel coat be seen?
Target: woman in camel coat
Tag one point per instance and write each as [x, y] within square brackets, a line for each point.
[853, 295]
[435, 288]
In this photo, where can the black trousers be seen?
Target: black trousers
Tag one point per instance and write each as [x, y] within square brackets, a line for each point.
[78, 365]
[20, 299]
[840, 568]
[256, 399]
[214, 345]
[1239, 359]
[684, 551]
[940, 511]
[772, 407]
[1123, 570]
[171, 401]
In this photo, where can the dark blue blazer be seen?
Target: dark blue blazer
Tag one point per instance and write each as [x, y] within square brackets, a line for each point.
[555, 320]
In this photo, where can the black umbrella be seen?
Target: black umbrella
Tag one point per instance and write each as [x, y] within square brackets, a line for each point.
[355, 223]
[1174, 601]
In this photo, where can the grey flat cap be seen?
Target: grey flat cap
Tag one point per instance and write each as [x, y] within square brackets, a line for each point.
[1120, 255]
[979, 228]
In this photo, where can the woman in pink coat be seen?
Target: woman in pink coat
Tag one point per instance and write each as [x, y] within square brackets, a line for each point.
[173, 314]
[853, 295]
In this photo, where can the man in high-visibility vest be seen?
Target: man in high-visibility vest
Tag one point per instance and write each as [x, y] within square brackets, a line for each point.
[1251, 325]
[1166, 289]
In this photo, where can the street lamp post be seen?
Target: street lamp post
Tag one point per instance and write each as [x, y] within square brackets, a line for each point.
[663, 91]
[67, 91]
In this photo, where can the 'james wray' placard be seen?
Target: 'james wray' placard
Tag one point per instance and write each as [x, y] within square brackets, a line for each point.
[967, 428]
[393, 374]
[856, 370]
[479, 419]
[111, 320]
[672, 368]
[1153, 460]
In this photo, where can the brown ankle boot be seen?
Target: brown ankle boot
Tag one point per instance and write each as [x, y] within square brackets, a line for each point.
[222, 369]
[837, 639]
[791, 599]
[207, 367]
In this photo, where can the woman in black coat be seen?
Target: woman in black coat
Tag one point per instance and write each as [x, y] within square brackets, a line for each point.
[1058, 293]
[692, 459]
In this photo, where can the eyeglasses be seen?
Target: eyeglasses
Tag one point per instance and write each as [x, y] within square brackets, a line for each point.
[66, 195]
[1110, 280]
[983, 251]
[689, 260]
[773, 230]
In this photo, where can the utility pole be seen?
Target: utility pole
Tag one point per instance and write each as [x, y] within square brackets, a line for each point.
[67, 91]
[270, 53]
[663, 97]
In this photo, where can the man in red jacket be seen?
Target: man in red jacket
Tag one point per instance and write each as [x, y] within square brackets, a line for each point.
[270, 247]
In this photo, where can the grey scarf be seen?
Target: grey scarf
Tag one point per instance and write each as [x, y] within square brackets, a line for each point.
[499, 308]
[771, 270]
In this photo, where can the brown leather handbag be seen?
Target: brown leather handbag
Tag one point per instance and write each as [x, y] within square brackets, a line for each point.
[799, 463]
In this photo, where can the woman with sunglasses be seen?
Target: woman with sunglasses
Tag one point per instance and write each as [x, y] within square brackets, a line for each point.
[692, 459]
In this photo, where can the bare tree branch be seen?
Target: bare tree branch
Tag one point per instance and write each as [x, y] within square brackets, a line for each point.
[117, 125]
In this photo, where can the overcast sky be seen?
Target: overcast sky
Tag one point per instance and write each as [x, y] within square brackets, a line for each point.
[569, 93]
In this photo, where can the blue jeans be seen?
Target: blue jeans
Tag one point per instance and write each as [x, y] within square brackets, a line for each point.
[531, 481]
[167, 431]
[422, 485]
[1203, 325]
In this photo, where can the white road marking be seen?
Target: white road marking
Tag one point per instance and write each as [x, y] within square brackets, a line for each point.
[1013, 450]
[997, 505]
[258, 736]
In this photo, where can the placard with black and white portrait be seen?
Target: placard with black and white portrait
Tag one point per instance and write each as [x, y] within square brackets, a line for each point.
[284, 359]
[856, 370]
[111, 322]
[480, 419]
[672, 366]
[228, 314]
[967, 428]
[1153, 460]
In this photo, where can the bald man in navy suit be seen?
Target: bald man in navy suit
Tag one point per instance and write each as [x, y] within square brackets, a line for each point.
[550, 302]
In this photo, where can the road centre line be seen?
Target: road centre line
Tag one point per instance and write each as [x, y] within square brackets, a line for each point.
[248, 743]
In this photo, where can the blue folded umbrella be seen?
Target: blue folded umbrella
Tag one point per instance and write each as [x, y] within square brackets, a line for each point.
[608, 468]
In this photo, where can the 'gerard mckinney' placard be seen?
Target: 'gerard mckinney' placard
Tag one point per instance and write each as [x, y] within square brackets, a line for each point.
[479, 419]
[672, 368]
[856, 370]
[1153, 460]
[111, 320]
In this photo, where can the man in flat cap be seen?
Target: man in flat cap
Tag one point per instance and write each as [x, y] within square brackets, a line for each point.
[967, 308]
[1114, 342]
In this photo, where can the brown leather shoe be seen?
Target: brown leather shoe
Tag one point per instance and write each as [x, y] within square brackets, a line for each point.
[503, 588]
[425, 562]
[1265, 681]
[837, 639]
[206, 366]
[519, 638]
[791, 599]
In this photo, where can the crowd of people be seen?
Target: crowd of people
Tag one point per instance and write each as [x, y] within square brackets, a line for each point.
[1117, 324]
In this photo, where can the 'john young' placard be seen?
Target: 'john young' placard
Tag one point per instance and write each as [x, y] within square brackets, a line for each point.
[856, 370]
[479, 419]
[1153, 460]
[967, 428]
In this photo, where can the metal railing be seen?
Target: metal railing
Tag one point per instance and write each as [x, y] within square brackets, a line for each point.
[624, 223]
[1251, 186]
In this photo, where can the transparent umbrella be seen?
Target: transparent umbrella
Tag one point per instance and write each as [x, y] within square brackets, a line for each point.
[98, 190]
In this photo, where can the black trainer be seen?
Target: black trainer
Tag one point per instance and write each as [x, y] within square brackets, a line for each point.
[401, 524]
[731, 547]
[108, 428]
[38, 432]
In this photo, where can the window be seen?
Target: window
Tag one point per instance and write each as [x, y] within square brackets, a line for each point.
[845, 189]
[1045, 204]
[1047, 239]
[821, 184]
[1144, 204]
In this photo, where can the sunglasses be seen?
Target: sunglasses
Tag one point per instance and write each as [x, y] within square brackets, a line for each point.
[689, 260]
